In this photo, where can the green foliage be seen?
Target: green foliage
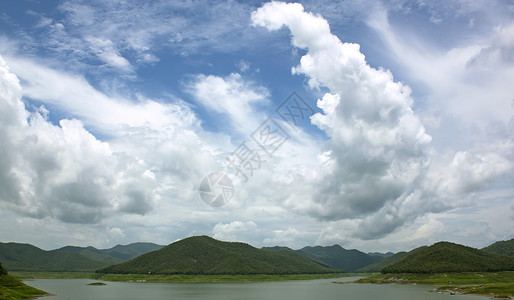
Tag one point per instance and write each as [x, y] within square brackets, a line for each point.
[92, 253]
[206, 256]
[501, 248]
[25, 257]
[126, 252]
[498, 284]
[114, 255]
[449, 257]
[215, 278]
[378, 266]
[13, 289]
[466, 278]
[338, 257]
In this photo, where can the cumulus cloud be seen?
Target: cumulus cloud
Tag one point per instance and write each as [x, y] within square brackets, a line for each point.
[64, 171]
[235, 231]
[378, 158]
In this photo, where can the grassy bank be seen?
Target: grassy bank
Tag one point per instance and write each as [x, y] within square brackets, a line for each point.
[174, 278]
[498, 284]
[13, 289]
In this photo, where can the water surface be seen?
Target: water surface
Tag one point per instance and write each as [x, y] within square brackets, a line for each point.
[319, 289]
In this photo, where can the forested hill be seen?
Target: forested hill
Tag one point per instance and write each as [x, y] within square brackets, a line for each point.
[502, 248]
[205, 255]
[449, 257]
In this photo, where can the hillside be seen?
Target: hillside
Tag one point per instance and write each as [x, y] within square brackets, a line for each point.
[383, 255]
[114, 255]
[25, 257]
[205, 255]
[130, 251]
[92, 253]
[11, 288]
[450, 257]
[378, 266]
[502, 248]
[338, 257]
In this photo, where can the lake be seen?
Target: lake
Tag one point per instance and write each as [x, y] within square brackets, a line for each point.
[320, 289]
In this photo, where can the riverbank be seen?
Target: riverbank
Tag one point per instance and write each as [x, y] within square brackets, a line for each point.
[497, 284]
[174, 278]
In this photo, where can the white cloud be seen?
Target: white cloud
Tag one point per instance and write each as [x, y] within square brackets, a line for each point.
[235, 231]
[379, 154]
[64, 171]
[233, 97]
[109, 114]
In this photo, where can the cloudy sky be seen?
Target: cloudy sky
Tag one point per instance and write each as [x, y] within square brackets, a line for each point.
[377, 125]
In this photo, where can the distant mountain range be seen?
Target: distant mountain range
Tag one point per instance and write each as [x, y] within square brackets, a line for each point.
[334, 256]
[25, 257]
[204, 255]
[207, 256]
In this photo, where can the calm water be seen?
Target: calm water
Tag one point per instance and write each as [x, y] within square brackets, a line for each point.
[321, 289]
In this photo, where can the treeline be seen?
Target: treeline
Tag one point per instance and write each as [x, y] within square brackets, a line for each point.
[206, 256]
[449, 257]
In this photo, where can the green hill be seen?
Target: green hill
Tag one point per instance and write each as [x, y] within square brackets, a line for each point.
[25, 257]
[92, 253]
[338, 257]
[130, 251]
[205, 255]
[449, 257]
[114, 255]
[502, 248]
[13, 289]
[379, 254]
[378, 266]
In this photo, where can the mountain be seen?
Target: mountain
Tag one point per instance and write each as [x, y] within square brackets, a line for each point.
[450, 257]
[11, 288]
[92, 253]
[205, 255]
[130, 251]
[383, 255]
[337, 257]
[378, 266]
[25, 257]
[502, 248]
[114, 255]
[277, 249]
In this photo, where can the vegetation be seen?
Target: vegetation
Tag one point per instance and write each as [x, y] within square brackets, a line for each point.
[13, 289]
[334, 256]
[498, 284]
[203, 255]
[378, 266]
[114, 255]
[501, 248]
[130, 251]
[466, 278]
[25, 257]
[92, 253]
[449, 257]
[215, 278]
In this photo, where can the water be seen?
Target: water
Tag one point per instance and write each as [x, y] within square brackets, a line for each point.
[321, 289]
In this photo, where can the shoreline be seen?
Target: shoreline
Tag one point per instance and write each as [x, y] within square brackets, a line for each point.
[499, 285]
[175, 277]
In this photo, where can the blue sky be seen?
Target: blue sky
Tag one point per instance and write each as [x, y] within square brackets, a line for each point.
[113, 112]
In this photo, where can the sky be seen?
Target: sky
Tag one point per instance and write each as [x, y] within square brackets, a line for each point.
[377, 125]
